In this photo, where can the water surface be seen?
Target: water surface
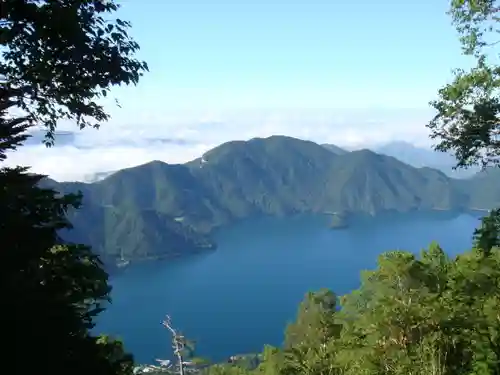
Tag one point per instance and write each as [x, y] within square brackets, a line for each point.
[241, 296]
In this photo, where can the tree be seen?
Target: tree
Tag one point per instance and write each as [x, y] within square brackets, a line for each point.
[273, 362]
[467, 122]
[183, 350]
[487, 235]
[315, 320]
[310, 340]
[179, 344]
[58, 57]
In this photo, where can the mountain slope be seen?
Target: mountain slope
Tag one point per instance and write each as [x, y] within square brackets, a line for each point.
[483, 188]
[158, 209]
[367, 182]
[276, 175]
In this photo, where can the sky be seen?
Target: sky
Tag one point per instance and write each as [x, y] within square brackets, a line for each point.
[353, 73]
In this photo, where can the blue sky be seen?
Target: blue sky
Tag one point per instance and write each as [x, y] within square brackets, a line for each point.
[292, 54]
[354, 73]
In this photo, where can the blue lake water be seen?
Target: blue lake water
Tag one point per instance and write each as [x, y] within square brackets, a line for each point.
[240, 297]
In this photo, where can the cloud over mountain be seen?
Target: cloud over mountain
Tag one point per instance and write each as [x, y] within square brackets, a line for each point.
[179, 137]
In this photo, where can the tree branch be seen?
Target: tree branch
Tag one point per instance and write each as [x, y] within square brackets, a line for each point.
[177, 341]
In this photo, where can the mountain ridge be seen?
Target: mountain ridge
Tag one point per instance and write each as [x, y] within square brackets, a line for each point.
[418, 157]
[159, 209]
[406, 152]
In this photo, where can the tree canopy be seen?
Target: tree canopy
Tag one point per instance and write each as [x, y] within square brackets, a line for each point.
[57, 58]
[468, 108]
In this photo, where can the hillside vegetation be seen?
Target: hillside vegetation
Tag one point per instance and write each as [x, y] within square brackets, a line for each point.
[158, 209]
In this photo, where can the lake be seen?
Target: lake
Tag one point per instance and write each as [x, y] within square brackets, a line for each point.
[240, 297]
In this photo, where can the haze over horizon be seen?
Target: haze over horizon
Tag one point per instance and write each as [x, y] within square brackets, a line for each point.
[351, 74]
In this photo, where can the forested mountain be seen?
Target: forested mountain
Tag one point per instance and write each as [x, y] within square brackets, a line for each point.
[484, 188]
[418, 157]
[161, 209]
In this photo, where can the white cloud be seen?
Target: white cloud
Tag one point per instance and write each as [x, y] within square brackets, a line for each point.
[69, 163]
[183, 136]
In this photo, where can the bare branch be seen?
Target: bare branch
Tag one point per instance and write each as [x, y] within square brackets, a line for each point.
[178, 343]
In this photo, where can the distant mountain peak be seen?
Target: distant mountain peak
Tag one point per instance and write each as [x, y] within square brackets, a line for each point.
[276, 136]
[335, 149]
[423, 157]
[98, 176]
[365, 151]
[401, 143]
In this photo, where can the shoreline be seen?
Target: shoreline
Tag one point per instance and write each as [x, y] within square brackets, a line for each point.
[111, 264]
